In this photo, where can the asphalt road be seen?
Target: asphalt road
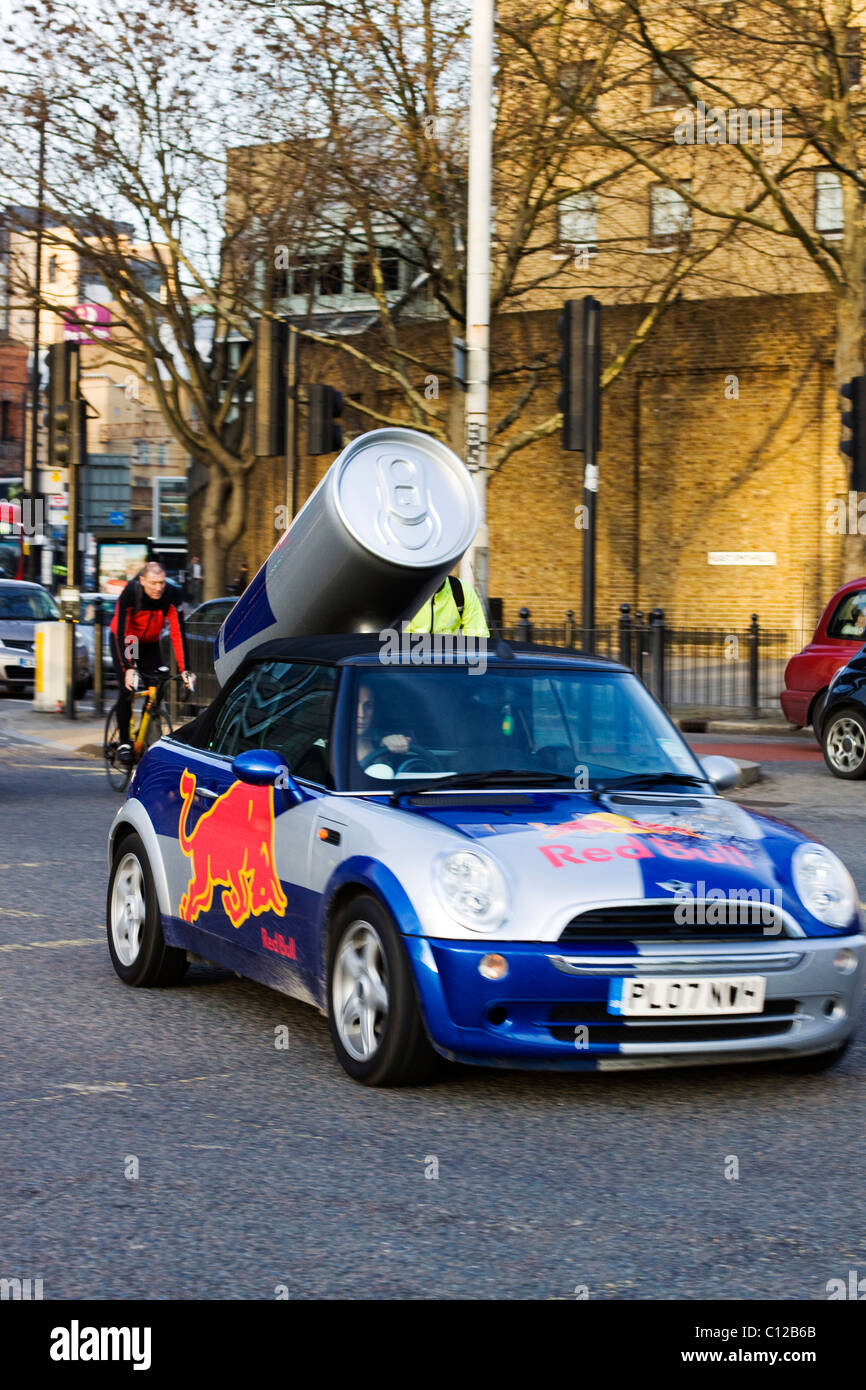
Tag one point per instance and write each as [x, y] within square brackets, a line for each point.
[260, 1168]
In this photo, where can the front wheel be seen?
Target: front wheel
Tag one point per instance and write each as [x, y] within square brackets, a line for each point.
[844, 741]
[373, 1011]
[118, 772]
[136, 944]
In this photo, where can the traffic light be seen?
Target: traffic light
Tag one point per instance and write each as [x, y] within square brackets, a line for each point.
[324, 406]
[270, 388]
[62, 393]
[854, 419]
[579, 327]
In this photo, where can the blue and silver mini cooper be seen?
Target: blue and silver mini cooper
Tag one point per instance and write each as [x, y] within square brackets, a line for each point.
[514, 861]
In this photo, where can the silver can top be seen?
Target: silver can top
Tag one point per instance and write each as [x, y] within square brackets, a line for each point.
[406, 497]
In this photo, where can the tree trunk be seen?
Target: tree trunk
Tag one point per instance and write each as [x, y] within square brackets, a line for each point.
[213, 556]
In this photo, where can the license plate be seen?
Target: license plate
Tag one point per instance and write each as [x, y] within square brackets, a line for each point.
[662, 996]
[27, 661]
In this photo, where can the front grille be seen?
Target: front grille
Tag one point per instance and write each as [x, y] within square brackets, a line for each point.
[19, 673]
[777, 1018]
[748, 921]
[17, 644]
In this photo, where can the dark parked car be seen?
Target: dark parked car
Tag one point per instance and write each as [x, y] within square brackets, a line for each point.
[843, 723]
[838, 637]
[202, 627]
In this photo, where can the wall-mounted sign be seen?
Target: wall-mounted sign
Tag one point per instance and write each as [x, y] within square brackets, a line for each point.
[87, 323]
[741, 557]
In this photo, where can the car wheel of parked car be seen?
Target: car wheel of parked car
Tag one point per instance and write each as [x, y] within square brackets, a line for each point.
[818, 714]
[136, 944]
[844, 741]
[373, 1012]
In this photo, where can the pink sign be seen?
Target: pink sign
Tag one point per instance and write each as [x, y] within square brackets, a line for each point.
[87, 322]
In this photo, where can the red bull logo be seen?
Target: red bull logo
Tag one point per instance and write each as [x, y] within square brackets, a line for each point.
[231, 847]
[613, 824]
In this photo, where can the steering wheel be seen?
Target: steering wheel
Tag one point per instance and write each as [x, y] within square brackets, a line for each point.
[418, 760]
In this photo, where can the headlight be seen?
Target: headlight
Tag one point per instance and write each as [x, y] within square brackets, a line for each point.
[825, 887]
[471, 888]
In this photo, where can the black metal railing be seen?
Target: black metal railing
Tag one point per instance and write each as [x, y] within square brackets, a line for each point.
[706, 672]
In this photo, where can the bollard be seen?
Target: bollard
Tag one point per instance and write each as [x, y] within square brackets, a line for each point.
[524, 626]
[637, 664]
[569, 628]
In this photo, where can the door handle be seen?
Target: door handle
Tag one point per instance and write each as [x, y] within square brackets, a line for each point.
[207, 794]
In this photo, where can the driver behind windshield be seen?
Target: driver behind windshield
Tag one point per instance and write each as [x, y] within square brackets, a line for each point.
[371, 746]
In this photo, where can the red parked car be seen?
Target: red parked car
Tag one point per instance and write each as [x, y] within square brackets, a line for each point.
[839, 636]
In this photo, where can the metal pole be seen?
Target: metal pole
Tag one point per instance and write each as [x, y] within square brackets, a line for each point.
[31, 491]
[71, 581]
[292, 370]
[592, 345]
[474, 569]
[98, 673]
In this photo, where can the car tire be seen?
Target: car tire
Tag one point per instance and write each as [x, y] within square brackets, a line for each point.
[373, 1011]
[843, 740]
[818, 714]
[136, 944]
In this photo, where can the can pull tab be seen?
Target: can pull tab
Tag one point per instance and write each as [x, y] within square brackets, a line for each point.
[405, 499]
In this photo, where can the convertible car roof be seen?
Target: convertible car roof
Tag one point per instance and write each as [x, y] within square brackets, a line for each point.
[365, 649]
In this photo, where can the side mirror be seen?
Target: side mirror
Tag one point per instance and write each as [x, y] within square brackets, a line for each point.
[262, 768]
[722, 772]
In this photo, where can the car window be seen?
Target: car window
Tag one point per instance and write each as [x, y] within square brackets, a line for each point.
[211, 614]
[849, 619]
[27, 605]
[286, 707]
[224, 735]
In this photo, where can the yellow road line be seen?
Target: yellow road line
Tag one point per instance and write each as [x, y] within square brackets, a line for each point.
[43, 945]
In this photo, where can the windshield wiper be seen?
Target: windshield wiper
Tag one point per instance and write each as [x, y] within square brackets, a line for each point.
[510, 776]
[652, 779]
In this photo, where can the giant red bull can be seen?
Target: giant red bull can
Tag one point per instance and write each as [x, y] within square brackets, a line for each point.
[391, 517]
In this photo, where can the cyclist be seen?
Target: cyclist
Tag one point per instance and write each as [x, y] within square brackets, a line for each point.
[454, 608]
[138, 620]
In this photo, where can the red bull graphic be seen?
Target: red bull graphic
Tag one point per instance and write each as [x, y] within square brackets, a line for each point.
[650, 848]
[613, 824]
[232, 847]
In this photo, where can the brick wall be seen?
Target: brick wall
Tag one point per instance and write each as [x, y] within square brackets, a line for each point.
[722, 435]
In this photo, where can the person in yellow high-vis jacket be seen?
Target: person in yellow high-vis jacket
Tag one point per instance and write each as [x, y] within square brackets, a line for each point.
[454, 608]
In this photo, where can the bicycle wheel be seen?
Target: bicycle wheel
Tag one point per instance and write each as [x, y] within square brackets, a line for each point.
[159, 726]
[118, 773]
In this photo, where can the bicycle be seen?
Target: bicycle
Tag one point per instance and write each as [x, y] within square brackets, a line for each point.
[153, 724]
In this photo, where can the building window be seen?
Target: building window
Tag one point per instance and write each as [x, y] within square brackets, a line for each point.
[280, 282]
[670, 216]
[578, 222]
[52, 269]
[671, 90]
[852, 58]
[331, 276]
[575, 81]
[389, 264]
[828, 203]
[6, 435]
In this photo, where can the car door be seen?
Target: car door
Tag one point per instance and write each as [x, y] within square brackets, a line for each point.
[241, 863]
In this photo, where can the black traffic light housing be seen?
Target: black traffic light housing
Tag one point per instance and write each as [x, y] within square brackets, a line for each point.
[854, 419]
[270, 388]
[579, 327]
[324, 406]
[63, 360]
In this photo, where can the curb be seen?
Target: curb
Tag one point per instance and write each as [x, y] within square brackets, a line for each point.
[749, 772]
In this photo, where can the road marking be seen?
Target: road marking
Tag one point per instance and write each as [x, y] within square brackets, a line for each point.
[121, 1088]
[43, 945]
[59, 767]
[18, 912]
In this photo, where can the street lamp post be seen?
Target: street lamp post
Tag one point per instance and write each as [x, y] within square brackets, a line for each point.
[30, 506]
[475, 563]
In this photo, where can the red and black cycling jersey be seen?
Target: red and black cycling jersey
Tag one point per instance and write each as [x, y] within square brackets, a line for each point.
[143, 618]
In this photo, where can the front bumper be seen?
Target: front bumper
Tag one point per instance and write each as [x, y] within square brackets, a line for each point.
[551, 1008]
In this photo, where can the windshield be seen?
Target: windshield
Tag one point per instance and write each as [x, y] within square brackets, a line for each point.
[27, 605]
[584, 728]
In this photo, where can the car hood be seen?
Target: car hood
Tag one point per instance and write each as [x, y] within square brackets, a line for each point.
[561, 851]
[19, 629]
